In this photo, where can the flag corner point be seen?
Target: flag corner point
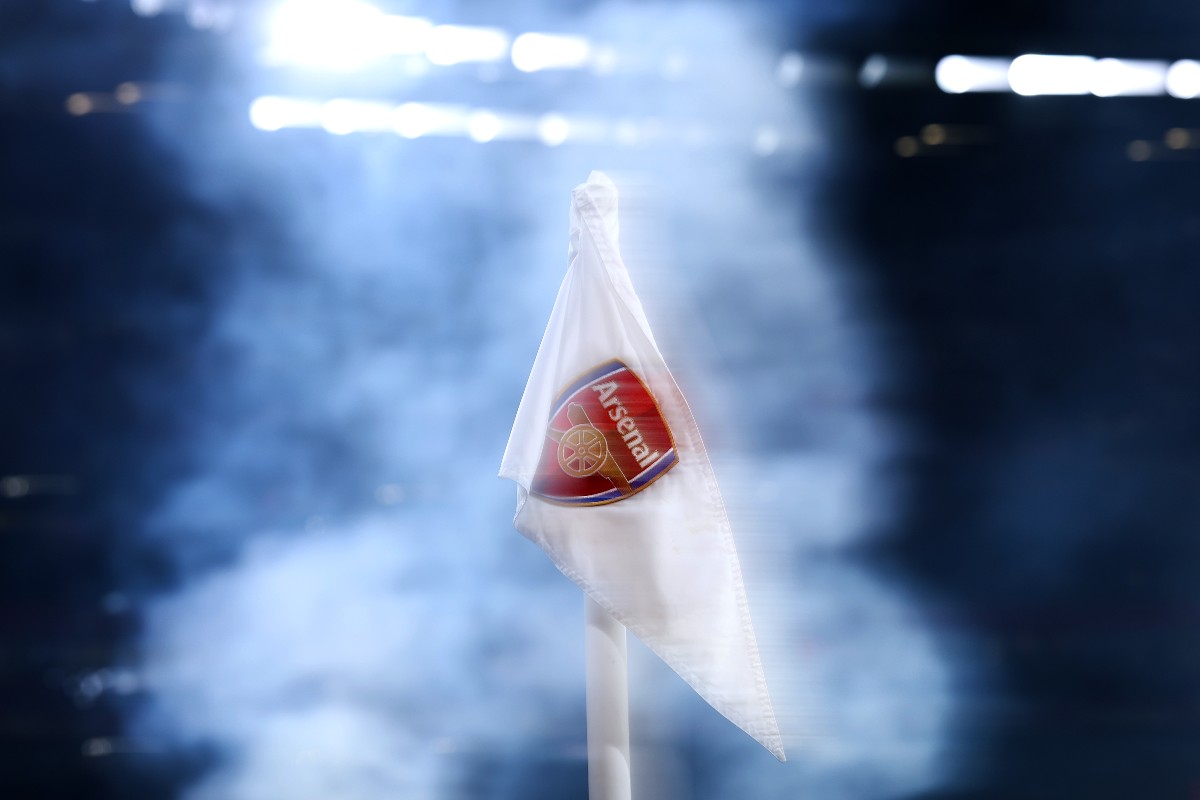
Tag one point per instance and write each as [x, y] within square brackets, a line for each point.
[599, 178]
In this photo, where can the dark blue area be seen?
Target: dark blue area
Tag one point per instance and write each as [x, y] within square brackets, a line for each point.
[1048, 285]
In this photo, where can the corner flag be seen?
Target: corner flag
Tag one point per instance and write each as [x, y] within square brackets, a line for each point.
[615, 485]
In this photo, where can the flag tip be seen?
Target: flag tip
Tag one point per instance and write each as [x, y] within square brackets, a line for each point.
[599, 179]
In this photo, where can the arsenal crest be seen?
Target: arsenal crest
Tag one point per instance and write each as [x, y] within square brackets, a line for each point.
[606, 440]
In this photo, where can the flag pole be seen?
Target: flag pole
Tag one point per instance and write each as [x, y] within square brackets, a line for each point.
[607, 704]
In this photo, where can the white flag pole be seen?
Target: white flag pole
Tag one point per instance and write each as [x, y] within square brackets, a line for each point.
[607, 704]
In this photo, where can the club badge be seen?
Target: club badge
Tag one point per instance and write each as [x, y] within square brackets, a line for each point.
[606, 440]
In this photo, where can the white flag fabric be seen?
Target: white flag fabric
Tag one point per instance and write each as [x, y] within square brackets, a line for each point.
[615, 485]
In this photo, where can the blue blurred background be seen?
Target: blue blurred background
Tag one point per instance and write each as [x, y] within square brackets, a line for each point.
[272, 275]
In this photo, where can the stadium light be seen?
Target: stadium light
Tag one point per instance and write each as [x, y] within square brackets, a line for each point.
[1117, 77]
[537, 51]
[459, 44]
[339, 35]
[1037, 74]
[342, 116]
[958, 74]
[553, 129]
[1183, 79]
[272, 113]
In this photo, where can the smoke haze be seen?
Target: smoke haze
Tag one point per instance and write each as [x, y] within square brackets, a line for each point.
[354, 616]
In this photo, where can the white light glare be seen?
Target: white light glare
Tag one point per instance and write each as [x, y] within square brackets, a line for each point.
[343, 116]
[1112, 77]
[412, 120]
[340, 35]
[147, 8]
[766, 141]
[483, 126]
[537, 51]
[211, 15]
[553, 129]
[458, 44]
[959, 74]
[273, 113]
[626, 132]
[790, 69]
[353, 116]
[873, 71]
[1183, 79]
[1036, 74]
[405, 36]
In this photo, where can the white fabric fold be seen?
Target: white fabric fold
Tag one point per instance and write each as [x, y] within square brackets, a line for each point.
[615, 485]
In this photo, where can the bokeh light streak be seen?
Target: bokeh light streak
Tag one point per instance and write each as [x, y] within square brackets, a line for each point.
[1037, 74]
[342, 116]
[273, 113]
[532, 52]
[1183, 79]
[147, 8]
[1140, 150]
[553, 129]
[873, 71]
[958, 74]
[1116, 77]
[460, 44]
[405, 35]
[484, 126]
[790, 69]
[79, 104]
[1179, 139]
[97, 747]
[412, 120]
[17, 486]
[128, 93]
[766, 141]
[339, 35]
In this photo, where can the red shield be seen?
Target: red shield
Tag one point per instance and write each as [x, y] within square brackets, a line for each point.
[606, 440]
